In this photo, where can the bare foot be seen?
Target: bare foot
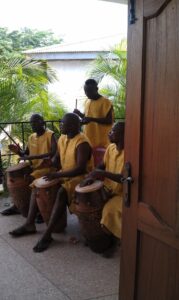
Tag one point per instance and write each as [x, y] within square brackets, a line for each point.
[43, 244]
[23, 230]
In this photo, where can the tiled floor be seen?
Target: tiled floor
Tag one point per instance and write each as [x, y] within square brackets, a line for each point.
[64, 272]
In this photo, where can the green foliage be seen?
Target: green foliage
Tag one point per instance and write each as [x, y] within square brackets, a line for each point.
[23, 91]
[14, 42]
[22, 81]
[24, 84]
[110, 71]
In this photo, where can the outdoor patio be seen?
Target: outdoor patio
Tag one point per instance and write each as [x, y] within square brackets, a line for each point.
[65, 271]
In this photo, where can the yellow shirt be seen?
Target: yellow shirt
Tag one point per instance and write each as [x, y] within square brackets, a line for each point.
[67, 150]
[97, 133]
[114, 163]
[112, 210]
[38, 145]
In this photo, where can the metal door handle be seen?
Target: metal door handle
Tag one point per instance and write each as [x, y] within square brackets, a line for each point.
[127, 181]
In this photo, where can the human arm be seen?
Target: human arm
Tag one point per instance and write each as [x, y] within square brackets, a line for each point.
[83, 153]
[17, 150]
[79, 113]
[98, 174]
[106, 120]
[49, 154]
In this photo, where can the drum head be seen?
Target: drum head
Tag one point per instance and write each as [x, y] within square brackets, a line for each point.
[42, 183]
[18, 167]
[89, 188]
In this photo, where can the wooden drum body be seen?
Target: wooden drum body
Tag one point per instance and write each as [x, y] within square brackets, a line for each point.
[18, 181]
[45, 197]
[89, 203]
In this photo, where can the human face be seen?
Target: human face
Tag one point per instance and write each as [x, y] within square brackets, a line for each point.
[36, 124]
[64, 126]
[114, 134]
[91, 91]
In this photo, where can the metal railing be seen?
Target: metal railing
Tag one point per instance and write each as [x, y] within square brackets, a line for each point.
[5, 124]
[23, 133]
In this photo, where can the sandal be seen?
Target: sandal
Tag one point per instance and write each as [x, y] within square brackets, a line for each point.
[13, 210]
[42, 245]
[21, 231]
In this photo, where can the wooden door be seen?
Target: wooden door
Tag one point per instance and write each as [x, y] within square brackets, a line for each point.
[149, 268]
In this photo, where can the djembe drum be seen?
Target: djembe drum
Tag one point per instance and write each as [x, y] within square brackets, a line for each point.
[45, 197]
[89, 203]
[18, 181]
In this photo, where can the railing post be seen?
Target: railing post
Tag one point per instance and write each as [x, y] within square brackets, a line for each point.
[1, 170]
[23, 141]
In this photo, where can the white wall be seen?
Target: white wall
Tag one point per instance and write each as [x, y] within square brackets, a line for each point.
[71, 75]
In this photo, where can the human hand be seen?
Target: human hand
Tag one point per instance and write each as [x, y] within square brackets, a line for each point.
[20, 158]
[24, 157]
[51, 176]
[14, 148]
[76, 111]
[86, 181]
[97, 174]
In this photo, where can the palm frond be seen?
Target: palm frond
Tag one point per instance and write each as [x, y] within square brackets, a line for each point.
[111, 69]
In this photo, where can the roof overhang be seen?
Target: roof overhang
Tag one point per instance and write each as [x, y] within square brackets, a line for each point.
[117, 1]
[67, 56]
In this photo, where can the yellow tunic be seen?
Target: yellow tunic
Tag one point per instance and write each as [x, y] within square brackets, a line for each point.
[97, 133]
[67, 150]
[112, 211]
[39, 145]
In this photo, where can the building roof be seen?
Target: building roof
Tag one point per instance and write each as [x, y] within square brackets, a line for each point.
[87, 49]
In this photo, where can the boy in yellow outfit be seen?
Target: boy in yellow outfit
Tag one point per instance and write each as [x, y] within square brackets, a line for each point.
[74, 160]
[41, 144]
[111, 169]
[98, 115]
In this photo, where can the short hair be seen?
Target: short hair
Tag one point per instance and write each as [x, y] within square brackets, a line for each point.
[91, 81]
[72, 117]
[37, 117]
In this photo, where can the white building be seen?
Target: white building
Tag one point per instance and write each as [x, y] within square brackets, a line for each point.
[71, 62]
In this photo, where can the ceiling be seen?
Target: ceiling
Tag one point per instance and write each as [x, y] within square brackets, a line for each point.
[117, 1]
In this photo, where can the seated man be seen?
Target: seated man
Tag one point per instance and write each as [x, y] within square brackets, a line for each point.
[41, 144]
[111, 169]
[74, 158]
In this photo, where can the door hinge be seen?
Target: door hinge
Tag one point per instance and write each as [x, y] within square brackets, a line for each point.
[132, 17]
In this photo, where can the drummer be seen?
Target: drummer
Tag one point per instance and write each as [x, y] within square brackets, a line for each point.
[74, 160]
[41, 144]
[111, 169]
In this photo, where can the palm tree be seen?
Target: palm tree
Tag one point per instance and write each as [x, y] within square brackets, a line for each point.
[110, 71]
[23, 84]
[24, 90]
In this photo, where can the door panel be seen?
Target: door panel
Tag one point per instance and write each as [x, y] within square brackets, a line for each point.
[150, 230]
[157, 262]
[160, 115]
